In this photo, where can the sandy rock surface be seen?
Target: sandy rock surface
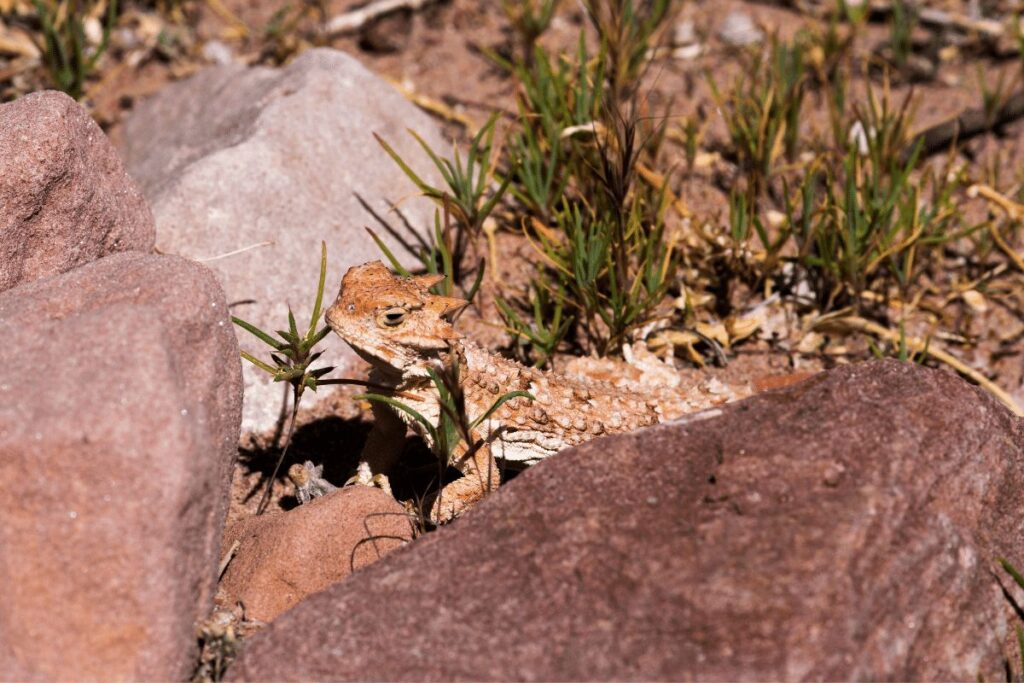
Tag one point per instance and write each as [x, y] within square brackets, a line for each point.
[841, 528]
[237, 157]
[285, 557]
[120, 401]
[65, 199]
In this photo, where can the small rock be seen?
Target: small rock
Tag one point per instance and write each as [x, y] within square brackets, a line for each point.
[746, 567]
[216, 52]
[120, 400]
[282, 558]
[739, 30]
[387, 34]
[249, 169]
[684, 33]
[687, 53]
[65, 197]
[833, 473]
[975, 300]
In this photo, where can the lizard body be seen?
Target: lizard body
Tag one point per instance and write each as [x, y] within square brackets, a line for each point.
[402, 329]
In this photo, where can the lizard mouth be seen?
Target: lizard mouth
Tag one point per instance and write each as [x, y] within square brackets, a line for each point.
[392, 361]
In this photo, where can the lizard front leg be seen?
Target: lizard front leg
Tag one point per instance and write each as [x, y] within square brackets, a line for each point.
[383, 447]
[480, 476]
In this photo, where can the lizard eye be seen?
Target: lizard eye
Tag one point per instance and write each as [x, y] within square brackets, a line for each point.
[392, 317]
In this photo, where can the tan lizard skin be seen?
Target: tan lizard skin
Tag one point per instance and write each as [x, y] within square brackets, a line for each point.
[401, 329]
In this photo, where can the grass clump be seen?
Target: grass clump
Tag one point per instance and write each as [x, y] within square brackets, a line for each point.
[860, 222]
[611, 260]
[466, 200]
[762, 110]
[569, 168]
[878, 225]
[68, 58]
[604, 261]
[529, 19]
[559, 98]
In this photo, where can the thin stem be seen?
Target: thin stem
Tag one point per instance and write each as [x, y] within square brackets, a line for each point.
[261, 508]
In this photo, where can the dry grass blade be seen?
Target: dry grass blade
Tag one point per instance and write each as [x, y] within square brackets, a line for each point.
[436, 107]
[1005, 246]
[228, 556]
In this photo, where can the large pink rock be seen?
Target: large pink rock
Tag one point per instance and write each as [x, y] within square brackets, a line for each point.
[254, 167]
[65, 198]
[120, 400]
[844, 528]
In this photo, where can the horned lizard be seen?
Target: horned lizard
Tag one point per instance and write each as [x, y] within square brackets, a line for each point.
[398, 326]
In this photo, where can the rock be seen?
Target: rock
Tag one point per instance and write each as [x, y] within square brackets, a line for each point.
[217, 52]
[684, 33]
[842, 528]
[65, 199]
[739, 30]
[283, 558]
[237, 157]
[120, 400]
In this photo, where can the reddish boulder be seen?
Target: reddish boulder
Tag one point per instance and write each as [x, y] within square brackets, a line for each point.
[120, 401]
[841, 528]
[65, 197]
[283, 558]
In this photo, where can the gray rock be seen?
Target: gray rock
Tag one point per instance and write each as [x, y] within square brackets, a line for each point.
[120, 400]
[65, 198]
[216, 52]
[235, 157]
[684, 33]
[842, 528]
[739, 30]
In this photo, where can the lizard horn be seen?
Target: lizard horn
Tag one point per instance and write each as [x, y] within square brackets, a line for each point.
[449, 304]
[429, 280]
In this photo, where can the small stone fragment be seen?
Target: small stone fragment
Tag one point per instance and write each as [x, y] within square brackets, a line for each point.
[739, 30]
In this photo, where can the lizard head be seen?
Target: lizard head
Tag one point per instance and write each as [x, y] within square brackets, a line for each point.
[393, 322]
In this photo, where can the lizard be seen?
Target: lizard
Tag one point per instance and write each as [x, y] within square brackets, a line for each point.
[401, 329]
